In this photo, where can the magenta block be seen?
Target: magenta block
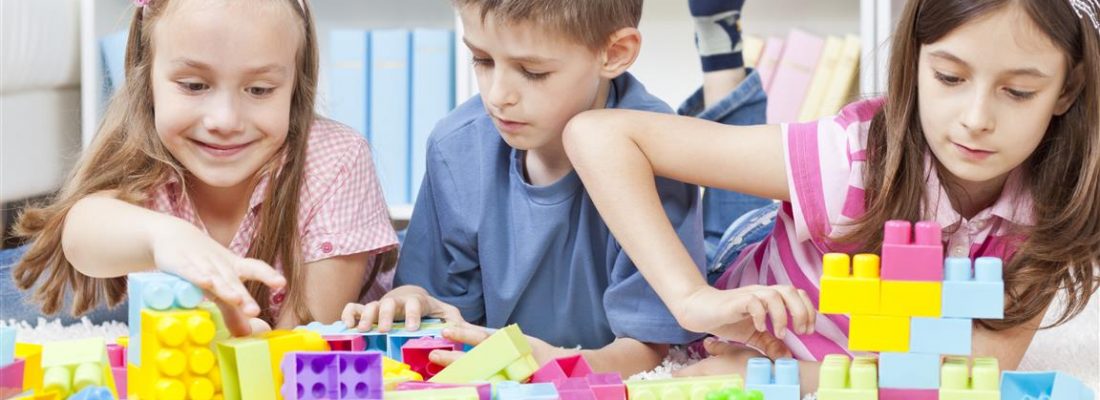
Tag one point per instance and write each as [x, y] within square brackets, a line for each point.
[484, 390]
[920, 259]
[603, 386]
[346, 342]
[415, 353]
[561, 368]
[332, 375]
[908, 394]
[117, 355]
[120, 380]
[11, 377]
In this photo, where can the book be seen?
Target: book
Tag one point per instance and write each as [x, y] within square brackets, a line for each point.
[388, 131]
[843, 82]
[348, 84]
[792, 76]
[769, 59]
[822, 75]
[433, 88]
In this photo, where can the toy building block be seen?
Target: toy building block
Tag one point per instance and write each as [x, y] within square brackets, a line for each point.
[396, 372]
[415, 353]
[343, 342]
[7, 345]
[31, 354]
[736, 394]
[281, 342]
[157, 291]
[607, 386]
[116, 354]
[841, 379]
[979, 384]
[682, 388]
[332, 375]
[980, 294]
[396, 340]
[484, 390]
[176, 355]
[878, 333]
[246, 363]
[505, 355]
[531, 391]
[1043, 385]
[93, 393]
[847, 290]
[950, 336]
[458, 393]
[71, 366]
[334, 328]
[911, 299]
[11, 378]
[919, 259]
[908, 394]
[908, 371]
[121, 380]
[561, 368]
[783, 384]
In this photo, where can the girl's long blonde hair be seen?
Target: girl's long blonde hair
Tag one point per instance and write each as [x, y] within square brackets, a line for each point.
[1062, 249]
[127, 157]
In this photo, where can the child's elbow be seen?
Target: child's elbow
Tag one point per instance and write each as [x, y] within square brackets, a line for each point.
[588, 132]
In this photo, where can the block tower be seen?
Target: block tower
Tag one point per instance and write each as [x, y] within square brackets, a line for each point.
[920, 307]
[172, 330]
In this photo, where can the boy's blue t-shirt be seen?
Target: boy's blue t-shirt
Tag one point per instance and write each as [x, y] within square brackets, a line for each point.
[484, 240]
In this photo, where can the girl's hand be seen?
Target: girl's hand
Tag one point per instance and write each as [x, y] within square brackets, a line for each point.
[184, 251]
[473, 335]
[726, 358]
[719, 312]
[407, 302]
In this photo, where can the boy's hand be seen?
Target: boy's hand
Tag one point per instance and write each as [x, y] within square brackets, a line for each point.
[718, 312]
[407, 302]
[473, 335]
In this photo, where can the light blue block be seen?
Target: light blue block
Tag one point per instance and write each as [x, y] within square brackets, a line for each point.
[397, 339]
[389, 343]
[7, 345]
[157, 291]
[349, 84]
[93, 393]
[908, 371]
[531, 391]
[783, 384]
[1043, 385]
[977, 295]
[433, 93]
[388, 131]
[942, 336]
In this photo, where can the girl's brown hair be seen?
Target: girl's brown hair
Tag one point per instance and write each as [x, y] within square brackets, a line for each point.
[128, 158]
[1062, 249]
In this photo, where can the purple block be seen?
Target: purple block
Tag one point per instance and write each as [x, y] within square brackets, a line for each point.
[484, 390]
[332, 375]
[920, 259]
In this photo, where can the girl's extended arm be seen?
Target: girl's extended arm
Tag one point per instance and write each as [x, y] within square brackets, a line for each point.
[618, 152]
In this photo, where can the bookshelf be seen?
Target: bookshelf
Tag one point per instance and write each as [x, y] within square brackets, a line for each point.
[666, 29]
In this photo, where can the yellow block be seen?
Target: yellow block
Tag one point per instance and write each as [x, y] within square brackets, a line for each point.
[176, 357]
[878, 333]
[845, 293]
[32, 365]
[912, 299]
[395, 372]
[280, 342]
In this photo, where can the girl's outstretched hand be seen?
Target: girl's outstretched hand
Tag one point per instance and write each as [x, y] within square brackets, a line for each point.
[185, 251]
[719, 312]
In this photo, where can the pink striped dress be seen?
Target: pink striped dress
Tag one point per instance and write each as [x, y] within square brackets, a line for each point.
[825, 161]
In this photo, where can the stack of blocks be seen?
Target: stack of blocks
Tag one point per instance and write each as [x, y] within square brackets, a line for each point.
[916, 311]
[172, 332]
[71, 366]
[783, 384]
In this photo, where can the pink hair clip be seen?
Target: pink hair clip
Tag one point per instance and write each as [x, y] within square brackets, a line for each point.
[141, 3]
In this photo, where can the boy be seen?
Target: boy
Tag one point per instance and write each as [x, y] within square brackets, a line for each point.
[503, 232]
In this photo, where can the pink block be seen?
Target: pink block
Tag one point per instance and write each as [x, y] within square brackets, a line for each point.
[346, 342]
[11, 376]
[120, 380]
[117, 355]
[484, 390]
[415, 353]
[912, 260]
[561, 368]
[908, 394]
[607, 386]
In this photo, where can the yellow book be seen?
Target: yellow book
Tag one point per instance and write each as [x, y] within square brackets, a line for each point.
[751, 47]
[844, 80]
[820, 82]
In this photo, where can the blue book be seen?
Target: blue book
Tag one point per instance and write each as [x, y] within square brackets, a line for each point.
[433, 92]
[348, 84]
[112, 49]
[389, 111]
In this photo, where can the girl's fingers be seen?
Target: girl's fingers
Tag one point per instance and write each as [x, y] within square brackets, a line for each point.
[412, 314]
[233, 281]
[256, 270]
[811, 317]
[366, 316]
[237, 323]
[350, 314]
[795, 307]
[386, 310]
[777, 310]
[444, 357]
[466, 334]
[716, 347]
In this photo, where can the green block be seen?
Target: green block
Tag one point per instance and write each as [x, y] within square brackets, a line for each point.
[505, 355]
[841, 379]
[462, 393]
[983, 383]
[72, 365]
[683, 388]
[246, 369]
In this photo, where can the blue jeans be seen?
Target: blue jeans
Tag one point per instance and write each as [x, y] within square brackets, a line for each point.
[750, 228]
[746, 105]
[17, 305]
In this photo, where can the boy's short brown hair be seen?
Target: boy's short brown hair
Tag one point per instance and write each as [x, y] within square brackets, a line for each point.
[589, 22]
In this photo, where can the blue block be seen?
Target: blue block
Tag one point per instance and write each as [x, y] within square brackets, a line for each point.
[908, 371]
[533, 391]
[389, 343]
[157, 291]
[980, 295]
[93, 393]
[782, 385]
[1043, 385]
[943, 336]
[7, 345]
[397, 339]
